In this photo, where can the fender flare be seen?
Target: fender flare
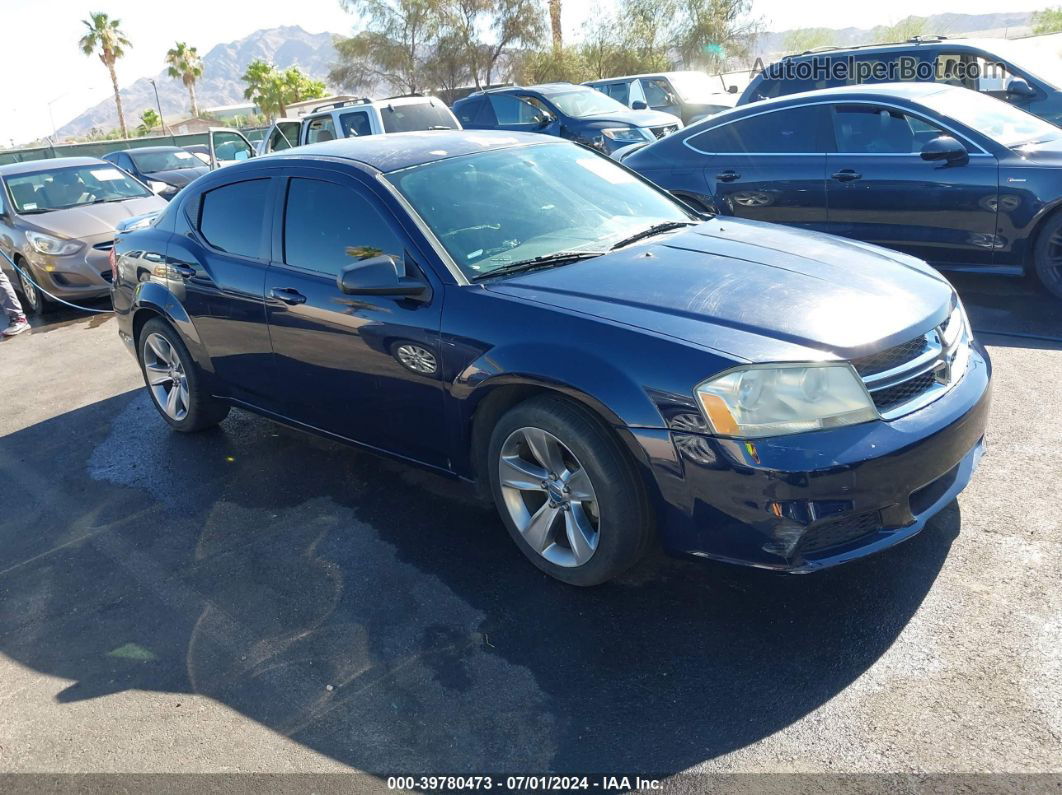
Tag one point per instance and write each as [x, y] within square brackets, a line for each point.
[153, 297]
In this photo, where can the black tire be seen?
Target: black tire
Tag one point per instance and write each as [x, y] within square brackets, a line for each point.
[34, 303]
[625, 526]
[203, 410]
[1047, 255]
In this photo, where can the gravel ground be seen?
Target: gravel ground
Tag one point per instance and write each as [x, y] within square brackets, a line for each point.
[253, 599]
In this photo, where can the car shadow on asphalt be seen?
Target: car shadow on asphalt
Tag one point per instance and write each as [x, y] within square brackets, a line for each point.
[381, 615]
[1010, 312]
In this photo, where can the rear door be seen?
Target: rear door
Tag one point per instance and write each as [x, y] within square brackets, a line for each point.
[517, 114]
[770, 166]
[282, 135]
[337, 355]
[355, 123]
[880, 190]
[228, 147]
[216, 263]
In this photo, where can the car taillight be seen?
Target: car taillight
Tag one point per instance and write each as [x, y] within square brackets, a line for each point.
[113, 259]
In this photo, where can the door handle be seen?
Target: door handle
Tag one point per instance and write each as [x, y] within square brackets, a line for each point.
[182, 270]
[287, 295]
[846, 175]
[728, 176]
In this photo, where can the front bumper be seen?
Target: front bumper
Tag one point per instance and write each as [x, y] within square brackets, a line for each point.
[810, 501]
[85, 274]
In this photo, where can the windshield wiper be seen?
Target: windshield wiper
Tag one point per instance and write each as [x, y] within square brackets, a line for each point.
[545, 261]
[655, 229]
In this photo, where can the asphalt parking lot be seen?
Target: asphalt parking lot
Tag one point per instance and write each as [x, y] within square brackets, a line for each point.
[256, 599]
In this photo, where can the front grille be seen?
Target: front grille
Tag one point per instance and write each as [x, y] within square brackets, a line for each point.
[840, 531]
[892, 396]
[893, 357]
[667, 129]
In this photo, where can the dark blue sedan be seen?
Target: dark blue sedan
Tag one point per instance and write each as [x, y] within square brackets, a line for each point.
[578, 113]
[957, 178]
[530, 315]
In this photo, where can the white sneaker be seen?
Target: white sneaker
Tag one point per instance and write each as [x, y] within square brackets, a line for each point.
[16, 327]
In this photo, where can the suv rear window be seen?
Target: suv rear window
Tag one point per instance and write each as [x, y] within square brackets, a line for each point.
[420, 116]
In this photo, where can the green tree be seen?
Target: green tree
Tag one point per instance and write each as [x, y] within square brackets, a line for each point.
[185, 65]
[1048, 20]
[273, 91]
[398, 37]
[804, 39]
[708, 32]
[906, 28]
[149, 120]
[106, 39]
[512, 24]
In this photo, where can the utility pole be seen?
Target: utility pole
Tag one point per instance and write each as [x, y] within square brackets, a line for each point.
[158, 105]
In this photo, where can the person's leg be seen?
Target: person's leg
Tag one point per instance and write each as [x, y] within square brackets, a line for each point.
[11, 306]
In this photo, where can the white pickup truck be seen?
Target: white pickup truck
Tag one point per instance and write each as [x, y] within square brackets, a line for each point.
[359, 117]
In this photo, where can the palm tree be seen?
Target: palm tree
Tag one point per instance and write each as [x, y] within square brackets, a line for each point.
[555, 23]
[186, 66]
[105, 35]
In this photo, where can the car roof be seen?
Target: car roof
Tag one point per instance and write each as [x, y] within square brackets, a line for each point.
[867, 91]
[49, 163]
[357, 104]
[928, 41]
[395, 151]
[644, 74]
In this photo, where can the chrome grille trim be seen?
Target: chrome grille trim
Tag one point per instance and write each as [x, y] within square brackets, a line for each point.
[935, 357]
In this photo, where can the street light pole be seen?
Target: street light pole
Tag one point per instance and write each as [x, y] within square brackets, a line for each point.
[158, 105]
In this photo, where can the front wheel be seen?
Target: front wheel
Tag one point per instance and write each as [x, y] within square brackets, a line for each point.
[568, 492]
[33, 301]
[173, 380]
[1048, 255]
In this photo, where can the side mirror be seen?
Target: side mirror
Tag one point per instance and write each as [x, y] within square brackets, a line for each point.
[1019, 87]
[732, 89]
[542, 120]
[382, 275]
[639, 105]
[946, 148]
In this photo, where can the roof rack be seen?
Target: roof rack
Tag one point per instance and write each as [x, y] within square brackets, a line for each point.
[495, 88]
[404, 96]
[834, 47]
[342, 104]
[926, 39]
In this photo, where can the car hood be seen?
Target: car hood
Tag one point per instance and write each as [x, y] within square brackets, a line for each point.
[92, 220]
[634, 118]
[178, 177]
[755, 291]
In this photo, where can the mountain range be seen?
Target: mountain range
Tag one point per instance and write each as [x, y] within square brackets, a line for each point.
[223, 66]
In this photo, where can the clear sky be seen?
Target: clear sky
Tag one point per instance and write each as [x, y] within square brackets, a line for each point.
[43, 68]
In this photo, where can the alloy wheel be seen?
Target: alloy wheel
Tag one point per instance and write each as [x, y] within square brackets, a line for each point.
[549, 496]
[1054, 254]
[166, 377]
[29, 292]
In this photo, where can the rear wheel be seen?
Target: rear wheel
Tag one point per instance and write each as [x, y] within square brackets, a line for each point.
[174, 381]
[1048, 255]
[567, 492]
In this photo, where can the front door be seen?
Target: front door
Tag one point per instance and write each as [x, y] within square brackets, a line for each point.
[881, 191]
[769, 166]
[364, 367]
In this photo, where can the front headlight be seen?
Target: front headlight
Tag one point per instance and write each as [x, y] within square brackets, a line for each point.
[772, 400]
[956, 337]
[629, 135]
[160, 187]
[53, 246]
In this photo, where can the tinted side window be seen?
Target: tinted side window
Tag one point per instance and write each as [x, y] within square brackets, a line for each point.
[328, 227]
[231, 217]
[619, 92]
[657, 93]
[468, 110]
[866, 129]
[510, 110]
[790, 130]
[485, 116]
[356, 123]
[416, 116]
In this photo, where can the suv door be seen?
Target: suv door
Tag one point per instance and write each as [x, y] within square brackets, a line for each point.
[283, 135]
[769, 166]
[228, 147]
[881, 190]
[355, 123]
[338, 356]
[517, 114]
[661, 95]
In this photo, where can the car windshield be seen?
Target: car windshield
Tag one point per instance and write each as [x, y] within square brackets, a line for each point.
[999, 120]
[497, 208]
[695, 86]
[62, 188]
[585, 102]
[170, 160]
[417, 116]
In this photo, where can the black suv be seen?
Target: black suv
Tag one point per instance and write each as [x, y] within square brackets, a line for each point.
[1014, 71]
[566, 110]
